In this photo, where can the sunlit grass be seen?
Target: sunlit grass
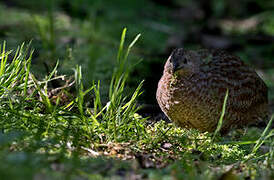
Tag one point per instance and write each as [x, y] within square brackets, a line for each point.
[40, 127]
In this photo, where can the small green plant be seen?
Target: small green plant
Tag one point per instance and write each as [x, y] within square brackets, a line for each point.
[118, 117]
[115, 120]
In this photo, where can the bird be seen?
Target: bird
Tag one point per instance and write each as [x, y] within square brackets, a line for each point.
[194, 84]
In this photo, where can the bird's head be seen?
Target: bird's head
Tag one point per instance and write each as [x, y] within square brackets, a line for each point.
[183, 63]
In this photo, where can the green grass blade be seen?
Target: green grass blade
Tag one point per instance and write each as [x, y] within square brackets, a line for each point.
[220, 122]
[263, 137]
[121, 47]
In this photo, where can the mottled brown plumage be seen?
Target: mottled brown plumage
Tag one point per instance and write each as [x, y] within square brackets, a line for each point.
[193, 86]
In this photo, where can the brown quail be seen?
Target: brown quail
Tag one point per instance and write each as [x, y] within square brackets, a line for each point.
[193, 86]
